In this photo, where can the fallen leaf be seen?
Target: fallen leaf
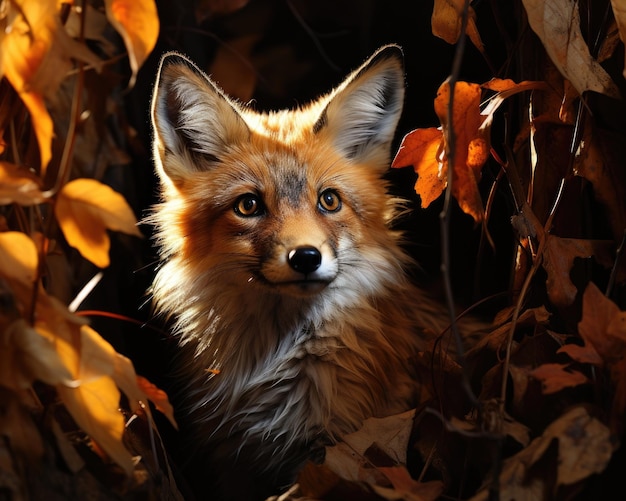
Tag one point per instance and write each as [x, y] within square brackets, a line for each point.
[137, 21]
[557, 24]
[390, 434]
[555, 377]
[406, 488]
[584, 449]
[85, 209]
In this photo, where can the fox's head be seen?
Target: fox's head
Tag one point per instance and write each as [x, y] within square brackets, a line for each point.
[290, 202]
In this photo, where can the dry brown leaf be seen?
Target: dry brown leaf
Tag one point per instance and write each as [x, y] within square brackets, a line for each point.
[555, 377]
[557, 24]
[137, 21]
[390, 434]
[406, 488]
[558, 259]
[584, 449]
[85, 209]
[619, 11]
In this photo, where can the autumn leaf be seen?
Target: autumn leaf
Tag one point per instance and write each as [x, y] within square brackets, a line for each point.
[27, 356]
[94, 405]
[421, 148]
[557, 24]
[18, 257]
[158, 397]
[584, 449]
[425, 149]
[406, 487]
[137, 21]
[85, 209]
[446, 22]
[37, 55]
[555, 377]
[390, 434]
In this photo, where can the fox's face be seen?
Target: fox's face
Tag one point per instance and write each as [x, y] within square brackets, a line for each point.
[290, 203]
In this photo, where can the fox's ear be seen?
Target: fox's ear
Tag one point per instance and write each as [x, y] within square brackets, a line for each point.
[193, 121]
[363, 112]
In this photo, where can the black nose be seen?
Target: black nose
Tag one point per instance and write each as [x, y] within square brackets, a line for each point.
[304, 259]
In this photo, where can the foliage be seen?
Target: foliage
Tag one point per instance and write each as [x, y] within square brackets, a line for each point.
[48, 203]
[533, 409]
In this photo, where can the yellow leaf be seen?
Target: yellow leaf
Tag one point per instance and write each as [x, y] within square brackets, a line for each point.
[85, 209]
[94, 407]
[557, 24]
[18, 257]
[137, 21]
[97, 356]
[26, 356]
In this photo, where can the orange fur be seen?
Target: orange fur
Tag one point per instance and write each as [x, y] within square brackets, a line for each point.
[281, 269]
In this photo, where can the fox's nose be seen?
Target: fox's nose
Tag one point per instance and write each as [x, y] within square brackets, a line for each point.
[304, 259]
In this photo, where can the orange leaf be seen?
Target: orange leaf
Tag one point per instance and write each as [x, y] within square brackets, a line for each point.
[446, 22]
[466, 123]
[420, 148]
[158, 397]
[37, 55]
[137, 21]
[85, 209]
[555, 377]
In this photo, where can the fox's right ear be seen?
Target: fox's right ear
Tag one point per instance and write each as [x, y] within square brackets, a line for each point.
[194, 122]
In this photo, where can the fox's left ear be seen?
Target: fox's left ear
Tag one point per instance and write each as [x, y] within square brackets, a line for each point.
[363, 112]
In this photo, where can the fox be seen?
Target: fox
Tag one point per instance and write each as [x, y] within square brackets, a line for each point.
[282, 271]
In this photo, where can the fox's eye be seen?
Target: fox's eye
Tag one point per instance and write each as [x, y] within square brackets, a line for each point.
[329, 201]
[249, 205]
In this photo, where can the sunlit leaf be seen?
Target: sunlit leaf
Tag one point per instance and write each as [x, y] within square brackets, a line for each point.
[466, 123]
[85, 209]
[18, 257]
[94, 405]
[557, 24]
[37, 54]
[421, 149]
[27, 356]
[137, 21]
